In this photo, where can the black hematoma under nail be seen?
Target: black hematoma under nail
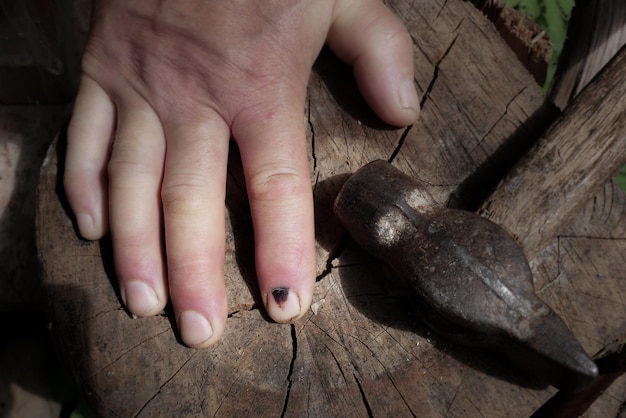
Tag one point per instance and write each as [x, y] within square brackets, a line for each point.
[280, 294]
[469, 279]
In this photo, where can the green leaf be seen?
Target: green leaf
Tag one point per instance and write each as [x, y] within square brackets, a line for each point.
[556, 25]
[621, 178]
[512, 3]
[566, 7]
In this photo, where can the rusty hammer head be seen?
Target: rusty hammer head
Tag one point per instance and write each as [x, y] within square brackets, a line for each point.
[469, 278]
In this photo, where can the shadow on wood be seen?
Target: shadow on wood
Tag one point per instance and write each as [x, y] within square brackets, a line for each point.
[351, 354]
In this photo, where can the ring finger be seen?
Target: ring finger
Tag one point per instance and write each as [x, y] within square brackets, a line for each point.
[135, 171]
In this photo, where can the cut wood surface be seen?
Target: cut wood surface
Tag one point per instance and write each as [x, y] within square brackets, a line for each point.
[359, 351]
[527, 39]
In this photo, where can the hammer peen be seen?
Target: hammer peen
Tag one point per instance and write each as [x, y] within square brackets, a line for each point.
[470, 280]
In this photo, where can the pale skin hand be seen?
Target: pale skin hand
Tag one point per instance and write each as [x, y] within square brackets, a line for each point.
[165, 84]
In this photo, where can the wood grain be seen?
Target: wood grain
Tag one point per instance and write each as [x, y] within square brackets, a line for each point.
[597, 30]
[583, 149]
[360, 351]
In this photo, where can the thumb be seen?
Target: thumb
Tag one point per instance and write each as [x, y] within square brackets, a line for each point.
[367, 35]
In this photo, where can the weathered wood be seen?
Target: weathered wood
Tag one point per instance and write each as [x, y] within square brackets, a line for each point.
[590, 246]
[582, 268]
[597, 30]
[584, 149]
[359, 351]
[526, 38]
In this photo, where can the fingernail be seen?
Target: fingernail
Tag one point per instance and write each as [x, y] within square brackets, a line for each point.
[86, 225]
[140, 298]
[195, 329]
[282, 305]
[408, 96]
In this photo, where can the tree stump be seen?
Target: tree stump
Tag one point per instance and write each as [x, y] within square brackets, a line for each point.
[360, 350]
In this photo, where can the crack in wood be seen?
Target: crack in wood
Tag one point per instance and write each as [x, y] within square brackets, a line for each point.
[226, 397]
[339, 343]
[334, 254]
[564, 404]
[436, 70]
[118, 358]
[337, 363]
[412, 356]
[242, 308]
[560, 255]
[593, 237]
[316, 400]
[346, 141]
[410, 10]
[599, 298]
[506, 111]
[477, 410]
[91, 318]
[354, 264]
[294, 344]
[573, 319]
[317, 180]
[363, 397]
[374, 356]
[312, 128]
[400, 143]
[401, 396]
[456, 391]
[443, 6]
[163, 385]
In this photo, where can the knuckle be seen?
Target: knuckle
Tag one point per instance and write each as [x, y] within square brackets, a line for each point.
[190, 275]
[396, 34]
[125, 168]
[390, 29]
[184, 197]
[275, 185]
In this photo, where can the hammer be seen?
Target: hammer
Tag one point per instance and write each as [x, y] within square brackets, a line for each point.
[469, 279]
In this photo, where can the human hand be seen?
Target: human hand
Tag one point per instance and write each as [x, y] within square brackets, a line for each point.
[164, 87]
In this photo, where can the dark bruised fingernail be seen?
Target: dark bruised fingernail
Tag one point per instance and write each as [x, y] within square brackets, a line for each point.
[283, 305]
[280, 295]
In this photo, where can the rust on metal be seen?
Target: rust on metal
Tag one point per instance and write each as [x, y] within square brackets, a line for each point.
[470, 279]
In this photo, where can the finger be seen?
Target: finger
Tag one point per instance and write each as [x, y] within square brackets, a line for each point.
[89, 136]
[135, 172]
[274, 156]
[369, 36]
[193, 195]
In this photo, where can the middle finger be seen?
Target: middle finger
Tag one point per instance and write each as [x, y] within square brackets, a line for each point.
[193, 195]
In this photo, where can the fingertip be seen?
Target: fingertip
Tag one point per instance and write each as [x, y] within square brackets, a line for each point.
[141, 299]
[389, 89]
[409, 101]
[286, 306]
[89, 205]
[397, 104]
[376, 43]
[193, 194]
[197, 331]
[89, 227]
[89, 137]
